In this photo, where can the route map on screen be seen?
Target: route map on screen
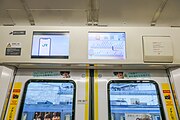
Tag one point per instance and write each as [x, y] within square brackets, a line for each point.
[107, 45]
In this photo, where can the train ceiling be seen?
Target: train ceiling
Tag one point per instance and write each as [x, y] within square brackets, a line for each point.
[125, 13]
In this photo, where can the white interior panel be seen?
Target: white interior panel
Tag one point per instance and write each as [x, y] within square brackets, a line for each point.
[175, 76]
[104, 76]
[79, 43]
[78, 76]
[6, 77]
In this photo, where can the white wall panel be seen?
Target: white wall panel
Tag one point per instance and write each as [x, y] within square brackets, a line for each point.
[79, 43]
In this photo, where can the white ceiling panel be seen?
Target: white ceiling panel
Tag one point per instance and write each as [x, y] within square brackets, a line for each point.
[10, 4]
[171, 14]
[73, 12]
[19, 17]
[127, 12]
[5, 18]
[63, 17]
[57, 4]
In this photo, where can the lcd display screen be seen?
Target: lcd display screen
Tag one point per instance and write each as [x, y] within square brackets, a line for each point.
[48, 100]
[50, 45]
[107, 45]
[134, 100]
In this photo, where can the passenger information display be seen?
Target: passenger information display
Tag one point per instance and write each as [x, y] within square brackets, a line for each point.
[107, 45]
[50, 45]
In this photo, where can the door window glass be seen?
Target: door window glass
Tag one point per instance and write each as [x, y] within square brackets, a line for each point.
[48, 100]
[134, 100]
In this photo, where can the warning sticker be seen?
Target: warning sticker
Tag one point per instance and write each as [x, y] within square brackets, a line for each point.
[14, 101]
[13, 49]
[169, 102]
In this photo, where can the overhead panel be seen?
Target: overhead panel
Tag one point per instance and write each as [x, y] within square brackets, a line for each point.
[5, 18]
[127, 12]
[112, 13]
[59, 17]
[59, 12]
[58, 4]
[14, 13]
[10, 4]
[45, 12]
[158, 12]
[19, 17]
[170, 15]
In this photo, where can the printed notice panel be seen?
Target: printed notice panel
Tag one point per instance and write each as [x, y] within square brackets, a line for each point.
[107, 45]
[50, 45]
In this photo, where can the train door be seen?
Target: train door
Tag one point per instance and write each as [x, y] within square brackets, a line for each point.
[49, 95]
[175, 83]
[133, 95]
[6, 78]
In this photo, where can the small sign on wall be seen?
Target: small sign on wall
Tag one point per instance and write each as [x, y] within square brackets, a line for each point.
[157, 49]
[13, 49]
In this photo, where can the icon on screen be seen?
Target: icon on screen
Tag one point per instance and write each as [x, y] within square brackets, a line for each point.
[44, 46]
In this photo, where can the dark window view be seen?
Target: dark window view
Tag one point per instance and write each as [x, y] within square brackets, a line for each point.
[48, 100]
[134, 100]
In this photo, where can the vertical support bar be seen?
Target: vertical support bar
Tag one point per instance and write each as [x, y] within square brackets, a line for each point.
[96, 95]
[87, 95]
[91, 97]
